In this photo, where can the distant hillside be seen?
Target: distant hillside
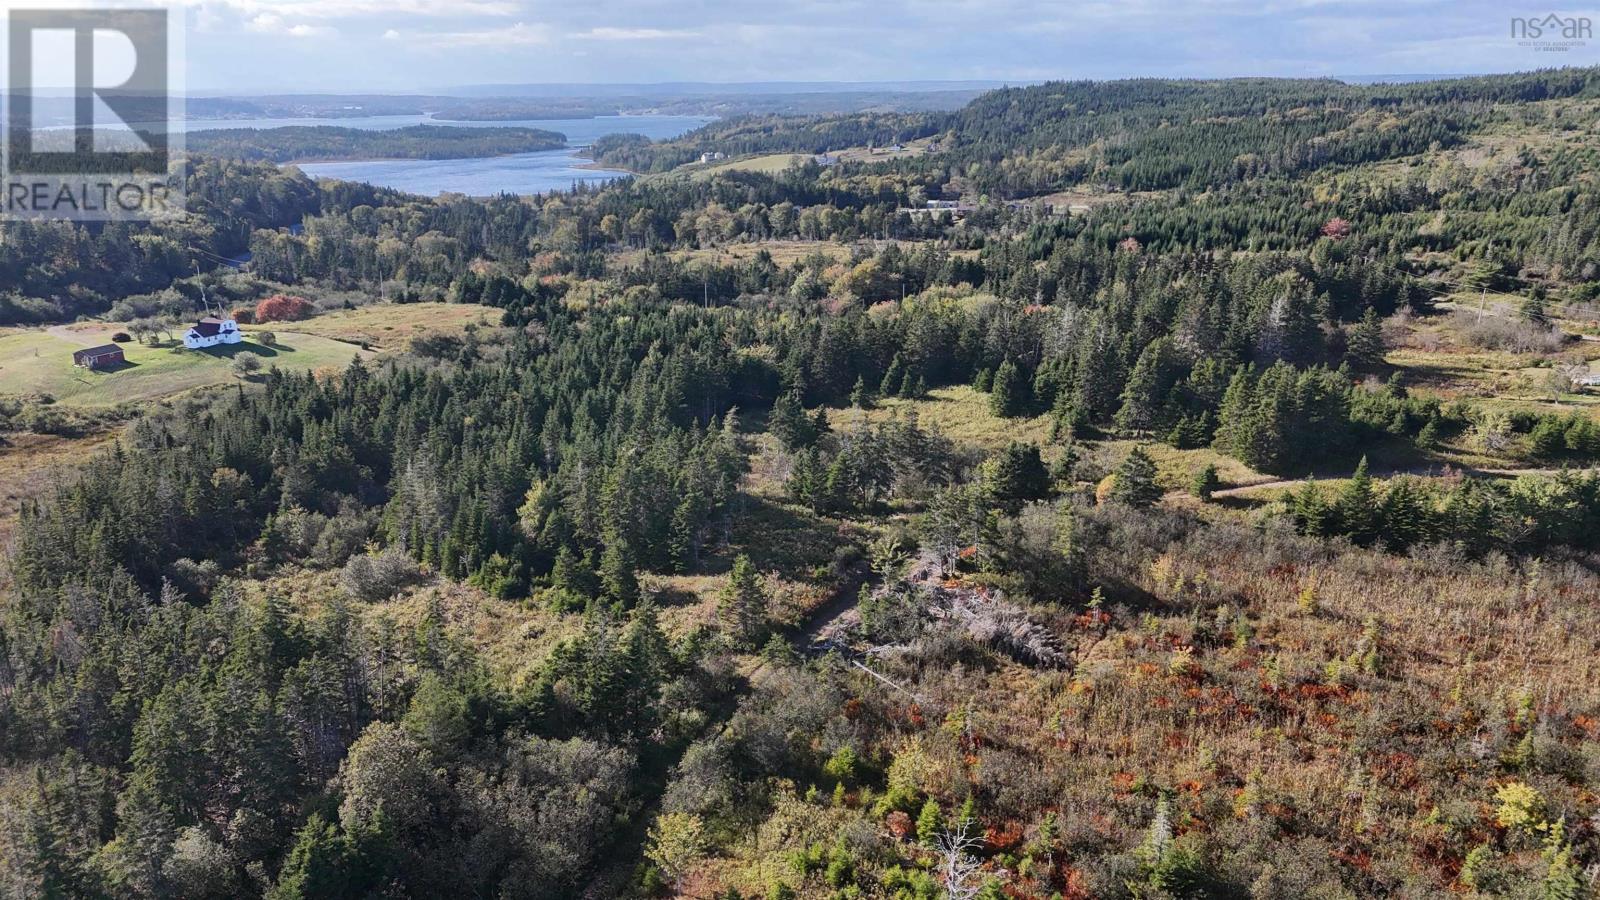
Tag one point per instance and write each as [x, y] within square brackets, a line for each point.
[323, 142]
[1141, 134]
[765, 134]
[604, 100]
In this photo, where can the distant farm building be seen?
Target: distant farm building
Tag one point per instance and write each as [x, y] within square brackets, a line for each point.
[98, 357]
[211, 331]
[954, 208]
[712, 156]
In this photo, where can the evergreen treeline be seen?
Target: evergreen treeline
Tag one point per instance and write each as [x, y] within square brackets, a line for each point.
[764, 134]
[55, 270]
[1528, 514]
[212, 746]
[1533, 217]
[323, 142]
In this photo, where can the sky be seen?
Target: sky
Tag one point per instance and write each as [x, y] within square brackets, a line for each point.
[428, 45]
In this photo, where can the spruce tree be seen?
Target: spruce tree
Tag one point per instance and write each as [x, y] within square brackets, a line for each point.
[318, 866]
[1364, 349]
[819, 425]
[1535, 309]
[617, 575]
[1100, 371]
[683, 538]
[930, 822]
[893, 379]
[1309, 510]
[743, 605]
[1428, 437]
[1144, 399]
[838, 491]
[806, 478]
[859, 398]
[1007, 398]
[1136, 480]
[1406, 516]
[908, 385]
[1549, 438]
[437, 716]
[1206, 481]
[789, 422]
[1356, 510]
[1017, 475]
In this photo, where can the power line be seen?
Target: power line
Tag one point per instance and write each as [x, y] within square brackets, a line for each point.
[236, 264]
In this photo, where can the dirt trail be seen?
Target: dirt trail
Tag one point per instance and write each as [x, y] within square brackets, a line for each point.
[827, 621]
[67, 333]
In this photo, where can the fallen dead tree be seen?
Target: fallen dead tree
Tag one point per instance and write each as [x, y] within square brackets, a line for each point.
[924, 599]
[996, 622]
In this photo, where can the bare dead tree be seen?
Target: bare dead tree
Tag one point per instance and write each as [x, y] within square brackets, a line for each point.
[957, 862]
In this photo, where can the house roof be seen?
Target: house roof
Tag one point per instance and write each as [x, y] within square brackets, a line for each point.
[207, 327]
[102, 350]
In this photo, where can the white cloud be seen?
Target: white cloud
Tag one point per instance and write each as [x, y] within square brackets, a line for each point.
[268, 23]
[354, 9]
[519, 35]
[493, 41]
[634, 34]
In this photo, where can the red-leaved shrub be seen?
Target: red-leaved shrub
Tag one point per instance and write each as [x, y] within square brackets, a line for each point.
[284, 308]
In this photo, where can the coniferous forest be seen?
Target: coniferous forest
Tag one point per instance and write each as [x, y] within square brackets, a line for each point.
[1204, 506]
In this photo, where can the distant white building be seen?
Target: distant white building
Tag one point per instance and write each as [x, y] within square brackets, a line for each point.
[211, 331]
[712, 156]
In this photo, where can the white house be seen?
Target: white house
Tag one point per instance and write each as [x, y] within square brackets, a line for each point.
[211, 331]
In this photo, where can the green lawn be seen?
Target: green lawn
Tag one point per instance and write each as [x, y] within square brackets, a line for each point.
[39, 362]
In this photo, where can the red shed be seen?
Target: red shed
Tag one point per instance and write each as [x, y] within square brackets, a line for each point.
[98, 357]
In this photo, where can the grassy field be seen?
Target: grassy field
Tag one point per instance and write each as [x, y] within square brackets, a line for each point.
[40, 362]
[27, 465]
[1436, 359]
[1175, 469]
[773, 163]
[770, 164]
[960, 412]
[392, 326]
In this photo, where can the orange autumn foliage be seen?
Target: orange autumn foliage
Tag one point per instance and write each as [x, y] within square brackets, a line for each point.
[284, 308]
